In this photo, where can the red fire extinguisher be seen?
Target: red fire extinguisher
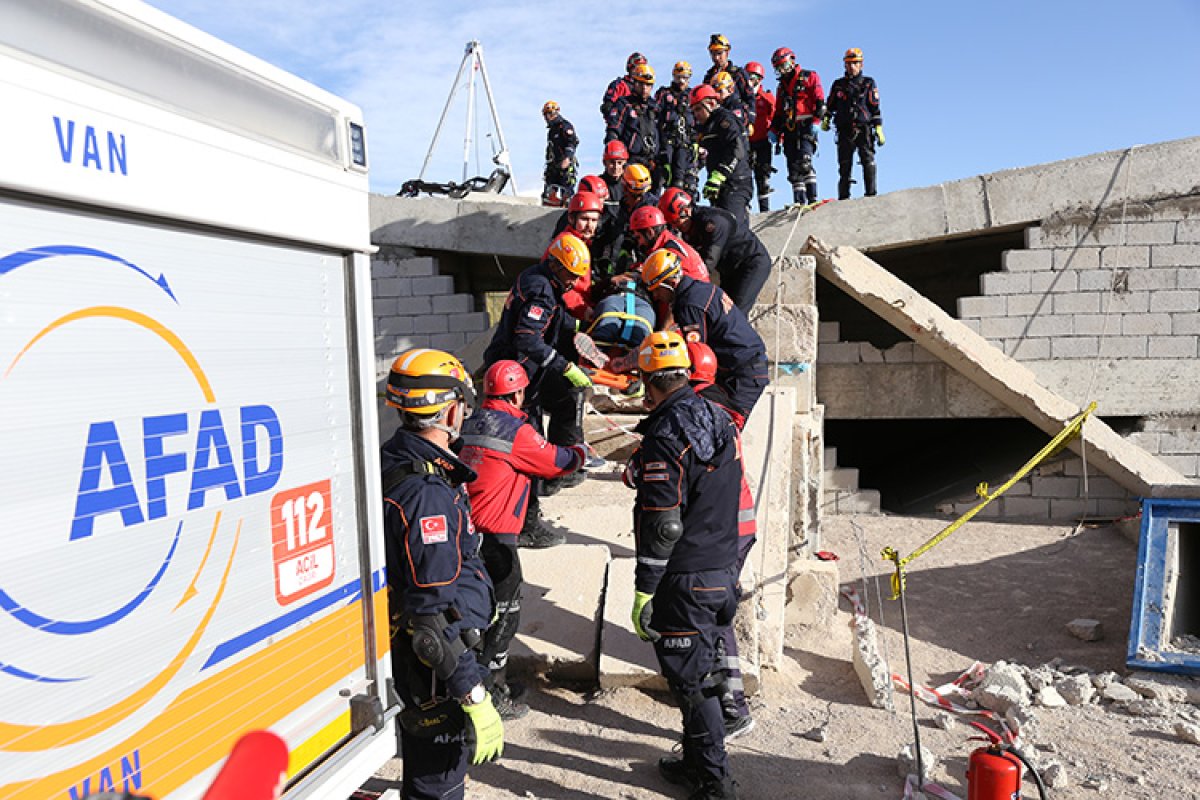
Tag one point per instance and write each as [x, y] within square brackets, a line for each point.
[994, 770]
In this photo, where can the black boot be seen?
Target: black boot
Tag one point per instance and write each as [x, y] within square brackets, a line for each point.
[536, 534]
[869, 180]
[725, 789]
[799, 196]
[764, 205]
[844, 189]
[810, 188]
[680, 771]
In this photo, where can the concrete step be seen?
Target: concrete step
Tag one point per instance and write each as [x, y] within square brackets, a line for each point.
[840, 478]
[830, 457]
[860, 501]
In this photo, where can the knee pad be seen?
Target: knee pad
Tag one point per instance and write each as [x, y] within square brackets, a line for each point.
[806, 167]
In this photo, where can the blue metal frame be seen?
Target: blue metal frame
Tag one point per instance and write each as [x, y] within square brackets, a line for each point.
[1146, 637]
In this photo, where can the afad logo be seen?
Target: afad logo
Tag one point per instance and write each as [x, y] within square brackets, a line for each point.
[119, 457]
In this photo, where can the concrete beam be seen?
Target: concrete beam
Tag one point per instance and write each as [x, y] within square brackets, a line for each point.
[975, 358]
[489, 225]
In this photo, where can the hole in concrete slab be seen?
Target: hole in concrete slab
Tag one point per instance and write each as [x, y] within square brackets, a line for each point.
[917, 463]
[942, 271]
[1182, 619]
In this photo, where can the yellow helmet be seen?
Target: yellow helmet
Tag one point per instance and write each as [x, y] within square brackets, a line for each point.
[424, 381]
[643, 73]
[722, 81]
[663, 350]
[717, 42]
[853, 54]
[662, 267]
[636, 178]
[572, 253]
[550, 107]
[682, 70]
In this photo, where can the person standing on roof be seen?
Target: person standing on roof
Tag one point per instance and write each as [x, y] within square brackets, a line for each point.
[687, 473]
[727, 247]
[534, 324]
[799, 107]
[854, 108]
[718, 51]
[704, 313]
[676, 136]
[760, 142]
[723, 84]
[729, 185]
[620, 86]
[440, 597]
[561, 142]
[633, 120]
[505, 451]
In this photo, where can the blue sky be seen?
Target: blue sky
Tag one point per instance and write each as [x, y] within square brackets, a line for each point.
[966, 88]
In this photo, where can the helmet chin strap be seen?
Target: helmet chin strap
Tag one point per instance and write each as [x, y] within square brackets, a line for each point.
[453, 434]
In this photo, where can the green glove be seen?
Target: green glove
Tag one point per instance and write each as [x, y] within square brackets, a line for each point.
[666, 168]
[577, 377]
[486, 729]
[825, 124]
[713, 187]
[879, 135]
[643, 608]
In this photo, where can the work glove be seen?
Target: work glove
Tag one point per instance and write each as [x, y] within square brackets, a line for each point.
[825, 124]
[643, 607]
[577, 377]
[713, 187]
[879, 135]
[666, 171]
[485, 729]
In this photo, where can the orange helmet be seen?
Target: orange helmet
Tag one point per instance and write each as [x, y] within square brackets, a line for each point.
[662, 268]
[853, 54]
[673, 203]
[663, 350]
[550, 107]
[570, 251]
[643, 73]
[636, 179]
[704, 363]
[717, 42]
[503, 378]
[722, 81]
[424, 381]
[682, 70]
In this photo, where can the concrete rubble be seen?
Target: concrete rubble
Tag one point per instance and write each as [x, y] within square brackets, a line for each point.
[1002, 687]
[906, 762]
[1088, 630]
[870, 665]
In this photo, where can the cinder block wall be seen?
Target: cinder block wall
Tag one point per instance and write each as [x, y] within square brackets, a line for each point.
[1055, 490]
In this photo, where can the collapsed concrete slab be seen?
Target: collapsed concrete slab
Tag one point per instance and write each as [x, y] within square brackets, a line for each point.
[983, 364]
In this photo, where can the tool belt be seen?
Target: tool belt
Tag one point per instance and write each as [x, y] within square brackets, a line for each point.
[437, 718]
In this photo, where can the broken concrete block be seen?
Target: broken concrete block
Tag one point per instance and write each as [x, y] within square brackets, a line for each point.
[1188, 732]
[1055, 776]
[1040, 677]
[943, 719]
[1077, 690]
[812, 598]
[1170, 688]
[1002, 687]
[1119, 693]
[1102, 680]
[793, 281]
[1147, 708]
[1089, 630]
[906, 762]
[870, 666]
[817, 734]
[1023, 720]
[1048, 697]
[789, 332]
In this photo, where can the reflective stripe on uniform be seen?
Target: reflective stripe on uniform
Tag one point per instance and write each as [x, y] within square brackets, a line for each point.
[487, 442]
[653, 562]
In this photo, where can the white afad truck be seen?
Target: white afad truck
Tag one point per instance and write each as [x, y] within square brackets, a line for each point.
[190, 523]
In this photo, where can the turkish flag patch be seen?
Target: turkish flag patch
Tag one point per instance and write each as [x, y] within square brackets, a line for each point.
[433, 529]
[535, 312]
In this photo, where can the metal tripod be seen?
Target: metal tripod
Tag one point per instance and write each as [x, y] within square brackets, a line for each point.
[471, 65]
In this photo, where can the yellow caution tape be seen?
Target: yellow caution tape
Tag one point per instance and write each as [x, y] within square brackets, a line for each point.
[1055, 446]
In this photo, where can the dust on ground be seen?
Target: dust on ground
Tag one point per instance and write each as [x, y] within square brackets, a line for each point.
[992, 591]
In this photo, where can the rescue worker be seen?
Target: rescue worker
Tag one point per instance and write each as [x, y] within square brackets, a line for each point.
[704, 313]
[533, 326]
[687, 473]
[633, 120]
[635, 194]
[584, 218]
[616, 156]
[760, 143]
[723, 84]
[620, 86]
[854, 107]
[561, 142]
[648, 228]
[727, 247]
[729, 185]
[439, 594]
[718, 51]
[676, 136]
[799, 107]
[734, 707]
[504, 450]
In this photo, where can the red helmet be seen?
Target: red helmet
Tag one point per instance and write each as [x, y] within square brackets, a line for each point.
[504, 378]
[755, 68]
[633, 60]
[673, 203]
[704, 92]
[594, 184]
[704, 363]
[645, 218]
[585, 201]
[616, 149]
[781, 55]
